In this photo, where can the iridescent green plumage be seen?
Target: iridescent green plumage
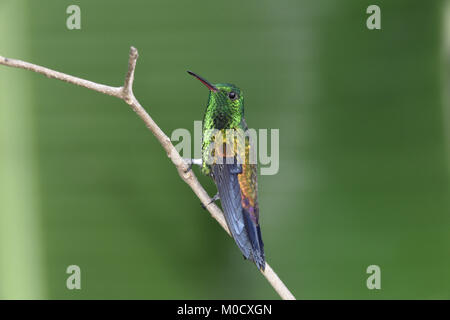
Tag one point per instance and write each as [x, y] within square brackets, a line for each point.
[226, 158]
[221, 113]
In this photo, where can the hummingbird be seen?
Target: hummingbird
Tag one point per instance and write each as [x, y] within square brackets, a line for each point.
[227, 162]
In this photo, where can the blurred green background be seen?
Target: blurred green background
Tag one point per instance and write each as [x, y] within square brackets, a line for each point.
[364, 152]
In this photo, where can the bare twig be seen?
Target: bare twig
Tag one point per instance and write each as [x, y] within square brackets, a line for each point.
[126, 93]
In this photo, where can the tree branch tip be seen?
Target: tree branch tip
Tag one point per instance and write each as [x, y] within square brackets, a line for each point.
[134, 53]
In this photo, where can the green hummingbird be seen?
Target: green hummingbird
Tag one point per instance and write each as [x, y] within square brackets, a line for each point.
[227, 161]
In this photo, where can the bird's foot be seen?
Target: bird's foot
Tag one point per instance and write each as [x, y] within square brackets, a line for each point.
[190, 162]
[213, 199]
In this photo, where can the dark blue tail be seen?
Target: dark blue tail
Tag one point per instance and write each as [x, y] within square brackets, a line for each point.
[245, 232]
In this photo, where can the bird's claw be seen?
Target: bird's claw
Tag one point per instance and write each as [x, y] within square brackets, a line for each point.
[190, 162]
[213, 199]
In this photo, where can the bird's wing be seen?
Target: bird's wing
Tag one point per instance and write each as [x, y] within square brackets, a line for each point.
[237, 186]
[249, 201]
[227, 182]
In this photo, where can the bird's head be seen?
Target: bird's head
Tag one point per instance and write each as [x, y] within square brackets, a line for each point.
[225, 104]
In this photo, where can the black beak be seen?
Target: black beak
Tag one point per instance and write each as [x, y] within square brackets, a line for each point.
[205, 82]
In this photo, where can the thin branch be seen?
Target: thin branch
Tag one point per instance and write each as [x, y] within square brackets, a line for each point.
[126, 93]
[128, 84]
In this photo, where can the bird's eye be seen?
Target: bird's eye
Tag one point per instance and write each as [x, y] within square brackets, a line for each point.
[232, 95]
